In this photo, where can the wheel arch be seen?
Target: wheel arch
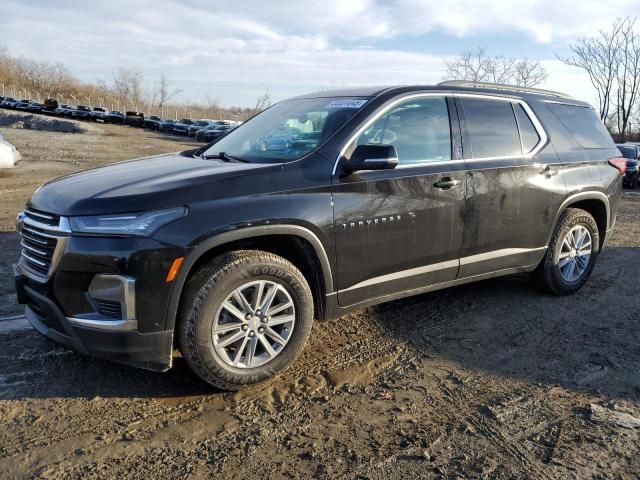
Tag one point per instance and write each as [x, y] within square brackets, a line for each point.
[295, 243]
[596, 203]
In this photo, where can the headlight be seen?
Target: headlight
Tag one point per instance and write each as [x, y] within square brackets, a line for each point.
[142, 224]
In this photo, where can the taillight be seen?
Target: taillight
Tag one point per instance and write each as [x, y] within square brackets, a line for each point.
[620, 163]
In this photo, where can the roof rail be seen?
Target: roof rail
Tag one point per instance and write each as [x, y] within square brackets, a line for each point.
[502, 86]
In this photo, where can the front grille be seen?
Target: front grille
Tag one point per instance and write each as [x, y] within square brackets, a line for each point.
[37, 248]
[109, 308]
[41, 234]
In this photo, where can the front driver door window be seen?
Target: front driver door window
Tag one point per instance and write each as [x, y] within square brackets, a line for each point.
[419, 129]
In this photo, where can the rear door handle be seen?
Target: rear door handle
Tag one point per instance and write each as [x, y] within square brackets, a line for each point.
[548, 172]
[446, 183]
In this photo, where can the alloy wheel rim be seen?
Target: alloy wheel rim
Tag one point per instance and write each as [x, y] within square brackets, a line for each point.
[575, 253]
[253, 324]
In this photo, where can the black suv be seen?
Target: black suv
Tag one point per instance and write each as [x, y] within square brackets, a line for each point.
[319, 205]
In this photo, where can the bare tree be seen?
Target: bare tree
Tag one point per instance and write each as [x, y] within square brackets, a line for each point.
[127, 83]
[628, 75]
[528, 73]
[600, 59]
[478, 66]
[263, 102]
[165, 91]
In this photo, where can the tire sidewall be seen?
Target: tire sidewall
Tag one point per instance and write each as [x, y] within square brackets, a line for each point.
[584, 220]
[204, 357]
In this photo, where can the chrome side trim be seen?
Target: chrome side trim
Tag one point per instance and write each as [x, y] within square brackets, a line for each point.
[442, 266]
[505, 252]
[536, 123]
[108, 325]
[404, 273]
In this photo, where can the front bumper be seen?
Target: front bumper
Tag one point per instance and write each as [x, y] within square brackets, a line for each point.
[117, 341]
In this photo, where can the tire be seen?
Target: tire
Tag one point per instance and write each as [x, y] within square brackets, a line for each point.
[550, 274]
[202, 309]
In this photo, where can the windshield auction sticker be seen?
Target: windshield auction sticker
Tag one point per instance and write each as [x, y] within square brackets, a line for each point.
[346, 103]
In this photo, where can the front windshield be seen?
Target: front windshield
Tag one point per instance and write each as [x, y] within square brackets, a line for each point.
[288, 130]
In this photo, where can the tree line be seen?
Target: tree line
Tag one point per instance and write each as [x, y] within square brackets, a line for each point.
[127, 89]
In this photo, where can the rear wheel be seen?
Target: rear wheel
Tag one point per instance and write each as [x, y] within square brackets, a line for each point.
[246, 316]
[572, 253]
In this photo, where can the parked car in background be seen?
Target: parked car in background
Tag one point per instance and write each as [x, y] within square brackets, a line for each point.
[35, 107]
[50, 105]
[114, 117]
[134, 119]
[181, 127]
[64, 110]
[98, 114]
[198, 125]
[631, 152]
[215, 133]
[82, 112]
[9, 154]
[22, 105]
[214, 124]
[8, 102]
[152, 122]
[166, 125]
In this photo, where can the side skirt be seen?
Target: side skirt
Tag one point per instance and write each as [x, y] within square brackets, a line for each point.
[334, 310]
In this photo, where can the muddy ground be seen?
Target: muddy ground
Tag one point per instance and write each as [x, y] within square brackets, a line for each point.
[491, 380]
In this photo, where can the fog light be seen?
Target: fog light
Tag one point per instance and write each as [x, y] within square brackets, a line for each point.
[114, 296]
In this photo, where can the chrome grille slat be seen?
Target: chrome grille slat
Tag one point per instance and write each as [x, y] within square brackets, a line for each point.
[42, 253]
[46, 216]
[37, 262]
[33, 239]
[43, 237]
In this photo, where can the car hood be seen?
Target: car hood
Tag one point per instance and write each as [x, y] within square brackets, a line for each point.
[149, 183]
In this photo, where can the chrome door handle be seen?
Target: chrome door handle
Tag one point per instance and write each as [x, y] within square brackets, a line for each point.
[446, 184]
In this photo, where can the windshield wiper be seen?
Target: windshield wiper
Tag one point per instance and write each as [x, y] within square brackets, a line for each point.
[225, 157]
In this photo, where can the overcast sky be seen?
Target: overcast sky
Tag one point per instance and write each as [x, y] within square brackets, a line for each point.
[236, 50]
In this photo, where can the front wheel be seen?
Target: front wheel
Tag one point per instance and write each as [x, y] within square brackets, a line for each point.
[571, 255]
[245, 317]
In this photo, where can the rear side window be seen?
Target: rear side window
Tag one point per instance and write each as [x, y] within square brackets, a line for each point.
[584, 124]
[528, 134]
[492, 128]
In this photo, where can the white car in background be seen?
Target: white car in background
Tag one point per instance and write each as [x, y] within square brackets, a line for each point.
[9, 155]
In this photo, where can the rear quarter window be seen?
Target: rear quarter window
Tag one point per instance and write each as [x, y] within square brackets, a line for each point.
[583, 124]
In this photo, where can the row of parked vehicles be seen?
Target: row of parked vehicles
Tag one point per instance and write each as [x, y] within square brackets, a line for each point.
[204, 130]
[631, 152]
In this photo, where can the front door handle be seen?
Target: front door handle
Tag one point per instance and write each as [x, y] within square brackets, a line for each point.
[446, 183]
[548, 172]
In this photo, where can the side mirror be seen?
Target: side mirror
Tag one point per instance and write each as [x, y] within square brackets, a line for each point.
[371, 157]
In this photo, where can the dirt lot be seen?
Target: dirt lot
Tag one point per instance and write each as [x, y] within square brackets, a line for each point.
[492, 380]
